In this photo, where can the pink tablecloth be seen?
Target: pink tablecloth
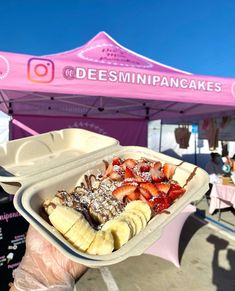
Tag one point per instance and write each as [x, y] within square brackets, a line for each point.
[222, 196]
[167, 247]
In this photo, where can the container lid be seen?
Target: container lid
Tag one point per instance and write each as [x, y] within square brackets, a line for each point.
[26, 157]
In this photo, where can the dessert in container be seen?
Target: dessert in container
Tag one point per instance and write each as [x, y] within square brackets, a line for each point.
[60, 170]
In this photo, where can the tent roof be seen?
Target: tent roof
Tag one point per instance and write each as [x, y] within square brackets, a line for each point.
[103, 49]
[104, 79]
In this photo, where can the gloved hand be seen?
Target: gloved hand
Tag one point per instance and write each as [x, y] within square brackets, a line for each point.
[43, 267]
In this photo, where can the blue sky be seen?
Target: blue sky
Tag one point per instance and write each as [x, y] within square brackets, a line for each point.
[196, 36]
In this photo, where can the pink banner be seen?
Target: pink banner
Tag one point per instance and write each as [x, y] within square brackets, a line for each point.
[127, 131]
[53, 74]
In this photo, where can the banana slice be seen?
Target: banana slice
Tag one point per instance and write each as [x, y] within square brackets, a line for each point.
[141, 215]
[141, 206]
[130, 221]
[137, 220]
[49, 205]
[84, 243]
[81, 234]
[63, 218]
[120, 230]
[103, 243]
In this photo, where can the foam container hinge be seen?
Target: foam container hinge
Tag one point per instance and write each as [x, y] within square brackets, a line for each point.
[29, 198]
[25, 157]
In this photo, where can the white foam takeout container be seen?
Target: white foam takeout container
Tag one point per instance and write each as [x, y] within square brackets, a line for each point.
[60, 161]
[26, 157]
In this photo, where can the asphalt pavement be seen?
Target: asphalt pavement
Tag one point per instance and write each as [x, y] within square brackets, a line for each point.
[207, 263]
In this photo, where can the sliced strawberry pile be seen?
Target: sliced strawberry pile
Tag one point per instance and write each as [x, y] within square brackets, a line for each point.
[150, 181]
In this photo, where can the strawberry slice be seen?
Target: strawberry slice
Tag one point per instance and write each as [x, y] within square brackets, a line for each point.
[157, 175]
[134, 195]
[160, 207]
[176, 194]
[115, 176]
[128, 173]
[151, 202]
[130, 163]
[150, 187]
[169, 170]
[143, 199]
[161, 203]
[116, 161]
[144, 192]
[163, 187]
[116, 173]
[176, 191]
[139, 178]
[157, 165]
[144, 167]
[123, 191]
[130, 181]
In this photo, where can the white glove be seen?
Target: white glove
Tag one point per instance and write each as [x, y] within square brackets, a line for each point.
[43, 267]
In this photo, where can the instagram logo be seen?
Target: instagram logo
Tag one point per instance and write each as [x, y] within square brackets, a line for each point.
[40, 70]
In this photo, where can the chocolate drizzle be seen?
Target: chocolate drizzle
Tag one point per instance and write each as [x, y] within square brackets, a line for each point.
[53, 205]
[94, 199]
[106, 163]
[180, 164]
[91, 184]
[190, 177]
[87, 180]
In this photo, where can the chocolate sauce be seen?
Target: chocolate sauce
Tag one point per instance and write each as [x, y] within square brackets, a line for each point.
[53, 205]
[190, 176]
[106, 164]
[92, 176]
[87, 180]
[181, 163]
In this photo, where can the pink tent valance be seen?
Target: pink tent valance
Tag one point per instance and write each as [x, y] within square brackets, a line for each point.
[127, 131]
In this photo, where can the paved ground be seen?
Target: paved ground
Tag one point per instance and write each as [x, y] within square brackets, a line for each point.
[207, 264]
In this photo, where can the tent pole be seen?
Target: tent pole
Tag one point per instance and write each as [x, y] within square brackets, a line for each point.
[160, 138]
[195, 148]
[10, 134]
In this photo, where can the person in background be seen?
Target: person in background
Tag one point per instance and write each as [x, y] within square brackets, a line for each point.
[226, 158]
[214, 169]
[214, 166]
[43, 267]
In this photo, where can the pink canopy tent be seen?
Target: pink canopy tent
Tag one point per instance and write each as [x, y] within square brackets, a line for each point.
[104, 80]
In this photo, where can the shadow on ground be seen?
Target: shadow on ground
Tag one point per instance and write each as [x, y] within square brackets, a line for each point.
[223, 278]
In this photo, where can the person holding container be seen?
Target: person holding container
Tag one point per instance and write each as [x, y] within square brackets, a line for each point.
[43, 267]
